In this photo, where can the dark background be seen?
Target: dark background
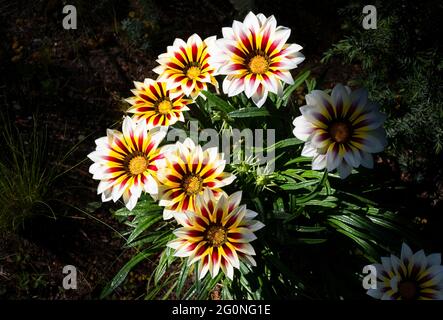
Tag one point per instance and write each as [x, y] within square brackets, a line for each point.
[70, 84]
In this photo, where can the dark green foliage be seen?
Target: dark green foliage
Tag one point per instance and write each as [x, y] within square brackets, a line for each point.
[402, 66]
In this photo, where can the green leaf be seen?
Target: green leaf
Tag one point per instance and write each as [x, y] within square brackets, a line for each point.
[144, 224]
[123, 273]
[166, 259]
[181, 281]
[249, 113]
[282, 144]
[299, 185]
[290, 89]
[298, 160]
[218, 103]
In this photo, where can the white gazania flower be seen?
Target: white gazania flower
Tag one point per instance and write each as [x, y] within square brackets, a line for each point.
[126, 163]
[154, 103]
[414, 276]
[188, 172]
[255, 57]
[217, 235]
[341, 131]
[185, 66]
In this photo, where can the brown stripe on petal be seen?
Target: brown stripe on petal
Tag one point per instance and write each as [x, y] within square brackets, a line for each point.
[235, 235]
[156, 120]
[194, 233]
[210, 206]
[185, 202]
[173, 178]
[152, 167]
[201, 250]
[231, 221]
[178, 169]
[208, 173]
[318, 116]
[209, 184]
[204, 212]
[122, 146]
[174, 66]
[113, 159]
[236, 51]
[180, 58]
[194, 50]
[219, 214]
[265, 39]
[244, 39]
[149, 147]
[192, 246]
[215, 255]
[200, 222]
[228, 251]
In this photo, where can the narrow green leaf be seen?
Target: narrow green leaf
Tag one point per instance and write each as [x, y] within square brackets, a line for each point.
[143, 225]
[123, 273]
[249, 113]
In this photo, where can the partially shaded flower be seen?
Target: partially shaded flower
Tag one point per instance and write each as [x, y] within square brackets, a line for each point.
[341, 131]
[126, 162]
[217, 235]
[185, 66]
[188, 172]
[255, 57]
[414, 276]
[157, 105]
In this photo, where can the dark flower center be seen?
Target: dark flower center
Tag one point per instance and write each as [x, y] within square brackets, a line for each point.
[216, 235]
[408, 290]
[340, 131]
[192, 184]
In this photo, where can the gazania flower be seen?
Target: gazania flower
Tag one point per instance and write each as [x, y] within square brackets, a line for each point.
[190, 171]
[155, 104]
[412, 277]
[341, 131]
[185, 65]
[217, 235]
[126, 162]
[255, 57]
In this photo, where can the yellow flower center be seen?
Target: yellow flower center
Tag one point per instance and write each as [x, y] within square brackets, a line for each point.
[340, 132]
[216, 235]
[193, 72]
[192, 184]
[164, 107]
[407, 290]
[138, 165]
[258, 64]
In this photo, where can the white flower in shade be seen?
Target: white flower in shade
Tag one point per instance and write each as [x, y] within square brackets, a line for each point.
[188, 172]
[414, 276]
[341, 131]
[217, 235]
[126, 163]
[255, 57]
[185, 66]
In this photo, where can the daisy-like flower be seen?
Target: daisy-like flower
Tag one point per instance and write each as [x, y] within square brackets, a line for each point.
[255, 57]
[414, 276]
[185, 65]
[126, 162]
[341, 131]
[217, 235]
[155, 104]
[190, 171]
